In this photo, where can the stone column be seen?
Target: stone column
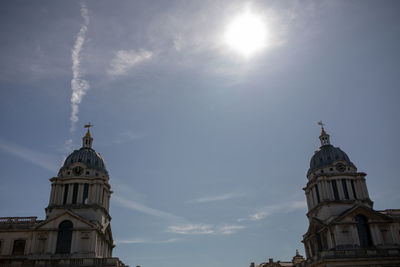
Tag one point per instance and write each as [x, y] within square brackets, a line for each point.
[70, 193]
[51, 201]
[359, 191]
[80, 194]
[364, 186]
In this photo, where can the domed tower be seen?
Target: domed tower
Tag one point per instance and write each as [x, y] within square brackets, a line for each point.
[334, 185]
[81, 185]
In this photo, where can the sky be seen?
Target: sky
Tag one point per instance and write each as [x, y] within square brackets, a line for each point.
[207, 149]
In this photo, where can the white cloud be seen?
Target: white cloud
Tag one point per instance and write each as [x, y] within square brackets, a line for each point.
[283, 207]
[217, 198]
[230, 229]
[79, 86]
[193, 229]
[126, 59]
[146, 210]
[145, 241]
[204, 229]
[35, 157]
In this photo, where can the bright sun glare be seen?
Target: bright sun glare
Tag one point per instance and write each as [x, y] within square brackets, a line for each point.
[246, 34]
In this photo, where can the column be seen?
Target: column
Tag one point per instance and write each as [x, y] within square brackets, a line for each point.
[80, 194]
[364, 185]
[70, 193]
[308, 200]
[52, 193]
[359, 192]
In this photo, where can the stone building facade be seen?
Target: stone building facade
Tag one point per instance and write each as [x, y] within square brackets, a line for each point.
[344, 229]
[77, 229]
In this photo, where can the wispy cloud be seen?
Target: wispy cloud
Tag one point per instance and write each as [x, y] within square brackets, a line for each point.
[127, 136]
[204, 229]
[79, 86]
[230, 229]
[126, 59]
[217, 197]
[146, 241]
[40, 159]
[276, 208]
[132, 205]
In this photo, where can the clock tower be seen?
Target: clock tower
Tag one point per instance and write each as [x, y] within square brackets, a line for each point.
[334, 185]
[82, 185]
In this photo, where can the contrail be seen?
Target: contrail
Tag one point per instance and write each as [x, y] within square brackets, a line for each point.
[79, 86]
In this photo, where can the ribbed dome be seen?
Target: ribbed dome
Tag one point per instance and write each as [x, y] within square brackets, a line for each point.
[87, 156]
[326, 156]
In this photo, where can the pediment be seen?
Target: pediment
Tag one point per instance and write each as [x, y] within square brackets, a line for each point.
[315, 226]
[372, 215]
[76, 220]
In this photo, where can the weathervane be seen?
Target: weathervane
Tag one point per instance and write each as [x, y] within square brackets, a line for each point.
[88, 125]
[88, 129]
[320, 123]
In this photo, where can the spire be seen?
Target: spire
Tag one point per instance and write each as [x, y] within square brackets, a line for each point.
[87, 140]
[324, 137]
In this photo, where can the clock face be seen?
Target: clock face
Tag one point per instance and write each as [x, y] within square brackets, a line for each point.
[340, 167]
[78, 170]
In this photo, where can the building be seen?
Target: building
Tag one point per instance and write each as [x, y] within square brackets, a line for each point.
[77, 229]
[344, 229]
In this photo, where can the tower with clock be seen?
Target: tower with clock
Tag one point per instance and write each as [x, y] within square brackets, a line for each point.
[77, 228]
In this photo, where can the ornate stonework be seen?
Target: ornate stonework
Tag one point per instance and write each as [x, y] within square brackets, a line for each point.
[344, 229]
[77, 229]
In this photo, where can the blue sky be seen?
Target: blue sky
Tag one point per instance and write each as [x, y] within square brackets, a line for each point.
[207, 150]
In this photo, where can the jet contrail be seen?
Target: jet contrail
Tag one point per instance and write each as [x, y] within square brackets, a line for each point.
[79, 86]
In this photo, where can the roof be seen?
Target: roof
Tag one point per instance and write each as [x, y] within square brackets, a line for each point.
[326, 156]
[87, 156]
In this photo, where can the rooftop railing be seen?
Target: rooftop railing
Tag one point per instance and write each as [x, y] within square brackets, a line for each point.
[18, 219]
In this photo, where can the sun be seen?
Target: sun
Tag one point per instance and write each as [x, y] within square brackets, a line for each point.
[246, 34]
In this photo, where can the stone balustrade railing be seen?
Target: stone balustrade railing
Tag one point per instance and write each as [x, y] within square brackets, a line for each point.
[18, 219]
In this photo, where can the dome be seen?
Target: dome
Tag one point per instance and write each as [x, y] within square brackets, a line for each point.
[326, 156]
[86, 156]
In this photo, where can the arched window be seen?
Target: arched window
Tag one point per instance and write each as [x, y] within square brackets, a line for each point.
[64, 237]
[363, 231]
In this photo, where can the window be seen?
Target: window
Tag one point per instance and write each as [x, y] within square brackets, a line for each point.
[65, 194]
[364, 234]
[354, 189]
[75, 193]
[64, 237]
[317, 191]
[346, 192]
[18, 247]
[335, 190]
[85, 193]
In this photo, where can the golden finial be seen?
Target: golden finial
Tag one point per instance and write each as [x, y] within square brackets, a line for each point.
[88, 129]
[320, 123]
